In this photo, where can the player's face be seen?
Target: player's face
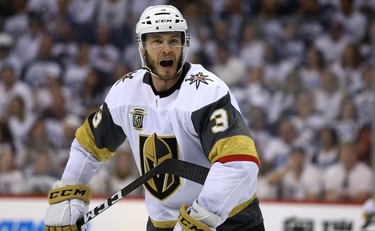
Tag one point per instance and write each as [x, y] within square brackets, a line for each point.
[164, 54]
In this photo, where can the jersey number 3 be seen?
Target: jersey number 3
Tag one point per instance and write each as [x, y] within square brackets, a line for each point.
[98, 117]
[221, 120]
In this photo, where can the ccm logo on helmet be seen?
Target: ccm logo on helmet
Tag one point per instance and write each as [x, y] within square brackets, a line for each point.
[163, 20]
[67, 192]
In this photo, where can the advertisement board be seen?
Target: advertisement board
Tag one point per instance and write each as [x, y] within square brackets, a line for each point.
[26, 214]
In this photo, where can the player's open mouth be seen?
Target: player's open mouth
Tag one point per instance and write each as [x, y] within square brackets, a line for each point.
[166, 63]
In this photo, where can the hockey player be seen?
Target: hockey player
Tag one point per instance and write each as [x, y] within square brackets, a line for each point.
[369, 214]
[168, 109]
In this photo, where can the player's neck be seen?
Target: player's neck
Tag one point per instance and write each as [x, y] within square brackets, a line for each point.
[162, 85]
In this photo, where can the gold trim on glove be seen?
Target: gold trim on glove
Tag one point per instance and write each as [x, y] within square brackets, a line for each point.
[61, 228]
[81, 192]
[189, 223]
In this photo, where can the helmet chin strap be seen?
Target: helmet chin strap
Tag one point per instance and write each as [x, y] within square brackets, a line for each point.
[149, 71]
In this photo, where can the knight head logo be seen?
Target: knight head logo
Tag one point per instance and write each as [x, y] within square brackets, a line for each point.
[155, 150]
[138, 115]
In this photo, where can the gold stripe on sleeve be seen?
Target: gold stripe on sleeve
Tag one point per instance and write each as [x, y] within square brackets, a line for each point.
[85, 137]
[234, 145]
[241, 206]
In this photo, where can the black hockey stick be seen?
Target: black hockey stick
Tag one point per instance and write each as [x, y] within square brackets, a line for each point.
[175, 167]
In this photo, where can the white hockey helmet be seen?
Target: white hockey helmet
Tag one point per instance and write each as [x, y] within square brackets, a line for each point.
[161, 18]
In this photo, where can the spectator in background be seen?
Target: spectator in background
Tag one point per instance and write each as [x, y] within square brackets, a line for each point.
[19, 121]
[257, 122]
[36, 142]
[326, 153]
[354, 21]
[254, 91]
[7, 56]
[194, 12]
[275, 68]
[115, 14]
[312, 68]
[58, 19]
[104, 56]
[278, 148]
[349, 179]
[283, 101]
[332, 44]
[37, 70]
[235, 13]
[252, 46]
[52, 85]
[365, 99]
[222, 38]
[207, 47]
[328, 97]
[346, 124]
[128, 54]
[297, 180]
[92, 94]
[311, 26]
[307, 120]
[293, 47]
[27, 45]
[76, 72]
[17, 23]
[82, 14]
[11, 178]
[11, 86]
[54, 116]
[65, 50]
[230, 67]
[366, 45]
[40, 174]
[348, 69]
[46, 10]
[271, 65]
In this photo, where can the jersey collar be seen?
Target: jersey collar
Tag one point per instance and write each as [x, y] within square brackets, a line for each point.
[147, 80]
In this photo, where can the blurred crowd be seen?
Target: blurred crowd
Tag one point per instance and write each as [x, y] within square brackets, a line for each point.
[302, 72]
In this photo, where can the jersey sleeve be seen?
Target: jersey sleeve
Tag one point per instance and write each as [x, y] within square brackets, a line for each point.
[100, 135]
[223, 132]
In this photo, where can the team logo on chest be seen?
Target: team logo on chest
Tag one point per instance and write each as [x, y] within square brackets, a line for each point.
[153, 151]
[138, 116]
[198, 79]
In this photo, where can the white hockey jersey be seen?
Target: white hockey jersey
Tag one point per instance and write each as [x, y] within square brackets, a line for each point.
[198, 121]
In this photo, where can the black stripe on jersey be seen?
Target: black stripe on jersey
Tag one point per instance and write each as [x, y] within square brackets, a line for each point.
[107, 134]
[203, 124]
[147, 80]
[100, 135]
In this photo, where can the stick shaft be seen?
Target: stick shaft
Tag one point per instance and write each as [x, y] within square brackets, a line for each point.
[176, 167]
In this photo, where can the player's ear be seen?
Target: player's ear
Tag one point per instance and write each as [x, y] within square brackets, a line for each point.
[143, 52]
